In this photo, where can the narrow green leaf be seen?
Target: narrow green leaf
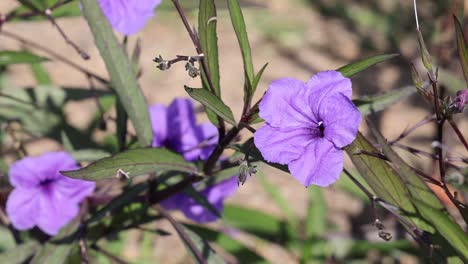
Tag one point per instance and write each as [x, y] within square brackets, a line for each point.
[9, 57]
[134, 162]
[316, 220]
[208, 253]
[461, 45]
[123, 199]
[378, 174]
[452, 232]
[235, 248]
[373, 104]
[201, 200]
[20, 253]
[257, 78]
[417, 188]
[58, 249]
[278, 199]
[67, 144]
[89, 154]
[258, 223]
[213, 103]
[238, 24]
[425, 56]
[41, 75]
[356, 67]
[207, 21]
[121, 71]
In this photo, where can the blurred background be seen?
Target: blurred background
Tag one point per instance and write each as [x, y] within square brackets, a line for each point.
[297, 38]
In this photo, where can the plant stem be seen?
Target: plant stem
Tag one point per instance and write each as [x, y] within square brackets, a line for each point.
[458, 132]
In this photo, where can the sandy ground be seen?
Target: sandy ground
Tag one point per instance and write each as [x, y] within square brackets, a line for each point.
[316, 43]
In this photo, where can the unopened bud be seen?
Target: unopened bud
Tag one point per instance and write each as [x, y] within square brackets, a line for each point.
[425, 56]
[192, 70]
[162, 63]
[385, 235]
[460, 101]
[245, 170]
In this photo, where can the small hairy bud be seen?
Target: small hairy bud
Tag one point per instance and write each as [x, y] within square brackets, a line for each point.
[192, 70]
[162, 64]
[245, 170]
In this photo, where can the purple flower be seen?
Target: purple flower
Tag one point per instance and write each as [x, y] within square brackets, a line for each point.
[215, 194]
[175, 128]
[307, 124]
[128, 16]
[42, 196]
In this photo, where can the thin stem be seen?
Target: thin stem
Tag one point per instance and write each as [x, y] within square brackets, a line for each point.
[108, 254]
[55, 55]
[180, 230]
[196, 43]
[416, 14]
[408, 131]
[458, 132]
[48, 14]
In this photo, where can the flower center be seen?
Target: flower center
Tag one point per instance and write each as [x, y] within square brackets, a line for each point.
[321, 128]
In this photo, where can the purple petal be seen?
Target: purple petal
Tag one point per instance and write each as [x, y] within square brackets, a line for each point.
[325, 84]
[340, 118]
[215, 194]
[321, 164]
[22, 207]
[73, 190]
[208, 139]
[282, 145]
[30, 171]
[128, 16]
[158, 117]
[285, 104]
[55, 210]
[185, 136]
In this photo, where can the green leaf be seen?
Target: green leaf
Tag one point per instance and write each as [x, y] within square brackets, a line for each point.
[373, 104]
[277, 198]
[356, 67]
[58, 248]
[123, 199]
[258, 77]
[9, 57]
[238, 24]
[134, 162]
[378, 174]
[89, 154]
[316, 220]
[452, 232]
[258, 223]
[417, 188]
[235, 248]
[201, 200]
[40, 73]
[461, 45]
[20, 253]
[213, 103]
[121, 71]
[208, 253]
[207, 21]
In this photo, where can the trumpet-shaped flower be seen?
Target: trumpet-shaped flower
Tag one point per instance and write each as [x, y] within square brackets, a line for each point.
[175, 128]
[128, 16]
[42, 196]
[307, 124]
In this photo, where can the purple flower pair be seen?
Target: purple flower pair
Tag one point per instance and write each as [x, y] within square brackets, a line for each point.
[128, 16]
[307, 124]
[175, 127]
[42, 196]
